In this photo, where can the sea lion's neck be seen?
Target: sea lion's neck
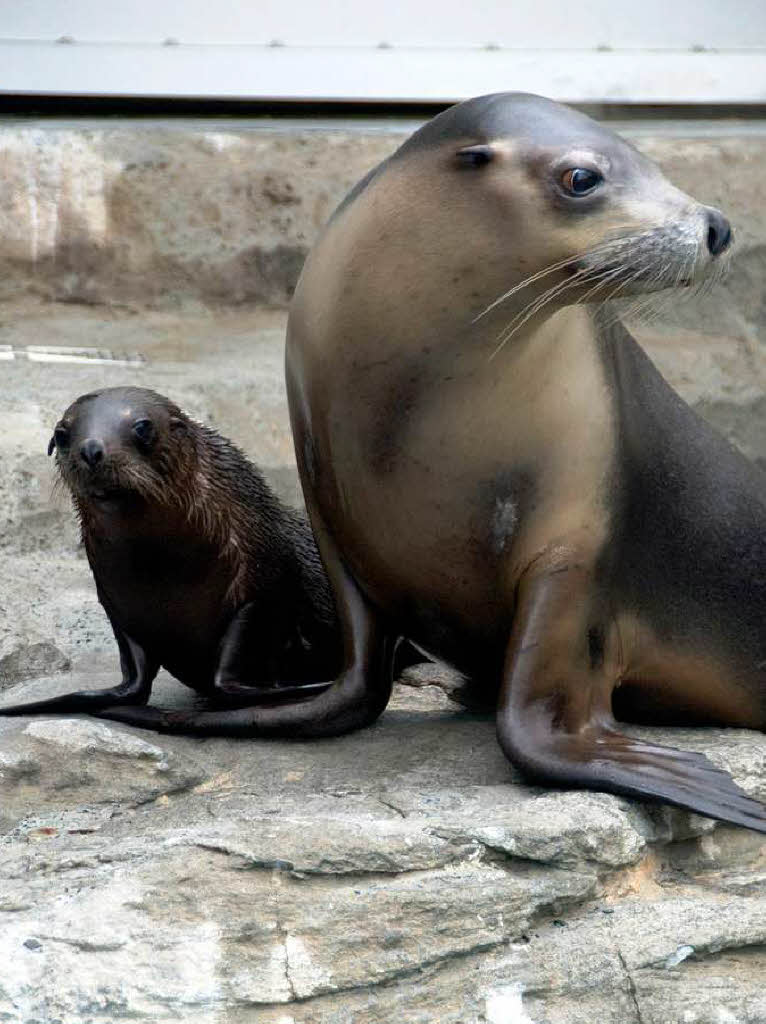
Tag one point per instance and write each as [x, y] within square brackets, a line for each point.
[549, 352]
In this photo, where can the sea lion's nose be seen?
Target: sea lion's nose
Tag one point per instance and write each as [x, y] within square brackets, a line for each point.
[92, 452]
[718, 232]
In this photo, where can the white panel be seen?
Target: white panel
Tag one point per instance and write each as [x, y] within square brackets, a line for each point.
[536, 24]
[436, 50]
[335, 74]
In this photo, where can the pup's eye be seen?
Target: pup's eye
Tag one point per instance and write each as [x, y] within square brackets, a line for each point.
[474, 156]
[59, 439]
[143, 431]
[579, 181]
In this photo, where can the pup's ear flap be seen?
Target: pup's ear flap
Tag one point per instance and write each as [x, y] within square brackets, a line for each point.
[178, 426]
[52, 445]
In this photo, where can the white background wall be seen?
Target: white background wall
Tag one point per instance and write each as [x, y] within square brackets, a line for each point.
[654, 50]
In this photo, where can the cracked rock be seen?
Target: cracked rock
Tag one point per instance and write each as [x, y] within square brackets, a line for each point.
[335, 847]
[27, 661]
[558, 828]
[80, 736]
[79, 761]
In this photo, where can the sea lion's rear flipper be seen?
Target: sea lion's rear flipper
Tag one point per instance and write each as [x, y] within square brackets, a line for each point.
[138, 672]
[274, 715]
[554, 716]
[353, 700]
[407, 655]
[311, 710]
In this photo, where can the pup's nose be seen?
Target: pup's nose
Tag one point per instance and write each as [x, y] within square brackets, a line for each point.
[718, 232]
[92, 452]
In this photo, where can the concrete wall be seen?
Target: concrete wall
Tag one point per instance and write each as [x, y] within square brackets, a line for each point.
[156, 214]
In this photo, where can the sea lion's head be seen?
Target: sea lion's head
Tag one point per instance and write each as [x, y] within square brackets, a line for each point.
[515, 199]
[122, 443]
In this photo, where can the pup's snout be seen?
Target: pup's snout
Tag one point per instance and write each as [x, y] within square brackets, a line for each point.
[92, 452]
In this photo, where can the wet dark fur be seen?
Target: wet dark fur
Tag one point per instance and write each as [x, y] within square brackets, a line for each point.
[268, 549]
[199, 566]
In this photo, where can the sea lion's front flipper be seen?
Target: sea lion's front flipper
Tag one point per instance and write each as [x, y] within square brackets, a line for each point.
[138, 672]
[615, 763]
[554, 715]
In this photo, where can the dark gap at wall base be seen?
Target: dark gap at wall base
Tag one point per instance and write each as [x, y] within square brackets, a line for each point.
[26, 105]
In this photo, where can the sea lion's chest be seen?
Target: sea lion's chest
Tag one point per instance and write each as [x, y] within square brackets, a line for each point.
[167, 591]
[440, 499]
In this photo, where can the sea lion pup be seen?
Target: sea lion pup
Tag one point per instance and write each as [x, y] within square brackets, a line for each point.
[199, 567]
[493, 466]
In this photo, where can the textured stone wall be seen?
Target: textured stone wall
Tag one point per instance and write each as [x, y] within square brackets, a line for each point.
[153, 215]
[156, 217]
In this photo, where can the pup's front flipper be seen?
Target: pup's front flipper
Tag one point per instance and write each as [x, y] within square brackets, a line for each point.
[138, 673]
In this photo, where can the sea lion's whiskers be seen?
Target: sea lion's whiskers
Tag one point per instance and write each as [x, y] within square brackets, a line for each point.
[536, 305]
[640, 310]
[621, 282]
[674, 293]
[646, 307]
[685, 294]
[611, 248]
[638, 270]
[558, 265]
[720, 272]
[636, 309]
[609, 273]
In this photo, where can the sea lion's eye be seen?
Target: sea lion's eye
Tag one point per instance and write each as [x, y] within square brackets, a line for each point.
[474, 156]
[579, 181]
[143, 431]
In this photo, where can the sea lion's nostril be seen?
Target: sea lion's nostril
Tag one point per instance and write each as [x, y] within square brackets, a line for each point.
[718, 232]
[92, 452]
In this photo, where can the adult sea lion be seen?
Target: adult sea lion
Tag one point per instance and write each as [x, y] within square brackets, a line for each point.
[493, 466]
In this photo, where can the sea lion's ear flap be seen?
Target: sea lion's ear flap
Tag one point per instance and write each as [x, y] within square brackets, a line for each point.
[178, 426]
[474, 156]
[52, 445]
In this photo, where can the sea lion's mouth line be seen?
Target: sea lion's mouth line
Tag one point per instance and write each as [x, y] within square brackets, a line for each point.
[100, 492]
[621, 273]
[106, 493]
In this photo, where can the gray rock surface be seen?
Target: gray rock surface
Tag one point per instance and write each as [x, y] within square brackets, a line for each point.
[400, 874]
[27, 661]
[403, 874]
